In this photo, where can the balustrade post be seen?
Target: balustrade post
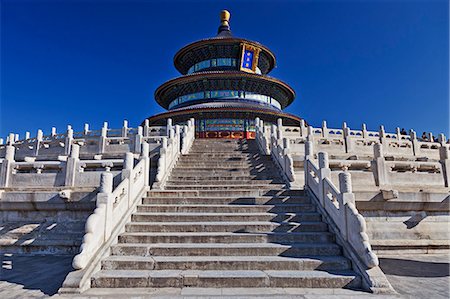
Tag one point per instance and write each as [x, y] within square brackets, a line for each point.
[27, 135]
[347, 197]
[103, 138]
[146, 128]
[177, 138]
[145, 155]
[324, 172]
[288, 162]
[310, 136]
[398, 134]
[324, 129]
[39, 139]
[138, 139]
[128, 165]
[382, 135]
[430, 137]
[279, 129]
[1, 141]
[444, 158]
[347, 138]
[6, 166]
[303, 128]
[53, 131]
[125, 128]
[364, 131]
[168, 126]
[105, 197]
[86, 129]
[414, 142]
[71, 166]
[69, 140]
[381, 168]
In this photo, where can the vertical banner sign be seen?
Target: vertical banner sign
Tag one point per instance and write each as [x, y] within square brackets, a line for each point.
[249, 58]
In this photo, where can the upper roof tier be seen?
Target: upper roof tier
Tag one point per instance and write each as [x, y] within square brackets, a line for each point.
[223, 45]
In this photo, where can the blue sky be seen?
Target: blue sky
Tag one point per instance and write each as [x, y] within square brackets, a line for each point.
[72, 62]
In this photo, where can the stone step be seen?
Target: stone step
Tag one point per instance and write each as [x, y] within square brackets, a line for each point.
[229, 193]
[188, 172]
[220, 249]
[231, 201]
[178, 182]
[224, 279]
[203, 208]
[227, 187]
[249, 226]
[214, 178]
[120, 262]
[226, 167]
[226, 217]
[192, 175]
[225, 237]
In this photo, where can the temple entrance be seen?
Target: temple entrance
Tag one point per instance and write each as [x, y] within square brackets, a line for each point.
[225, 128]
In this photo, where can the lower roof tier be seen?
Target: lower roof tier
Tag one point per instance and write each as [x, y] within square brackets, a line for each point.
[182, 115]
[224, 80]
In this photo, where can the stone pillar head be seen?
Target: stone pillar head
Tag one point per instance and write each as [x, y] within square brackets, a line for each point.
[286, 144]
[10, 153]
[164, 142]
[129, 161]
[106, 182]
[11, 138]
[75, 153]
[345, 182]
[257, 122]
[140, 130]
[171, 133]
[323, 160]
[169, 122]
[378, 150]
[53, 131]
[86, 129]
[40, 135]
[145, 149]
[413, 135]
[382, 132]
[125, 123]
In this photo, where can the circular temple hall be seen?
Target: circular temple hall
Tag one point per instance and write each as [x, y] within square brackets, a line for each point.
[224, 85]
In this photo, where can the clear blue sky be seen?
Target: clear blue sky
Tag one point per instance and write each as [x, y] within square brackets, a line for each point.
[71, 62]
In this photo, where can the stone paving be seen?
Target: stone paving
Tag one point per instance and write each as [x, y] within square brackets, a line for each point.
[414, 276]
[418, 276]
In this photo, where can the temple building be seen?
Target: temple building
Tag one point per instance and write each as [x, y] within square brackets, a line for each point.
[224, 86]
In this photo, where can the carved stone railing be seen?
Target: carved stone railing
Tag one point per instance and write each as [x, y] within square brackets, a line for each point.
[113, 206]
[188, 136]
[337, 205]
[171, 148]
[91, 142]
[279, 148]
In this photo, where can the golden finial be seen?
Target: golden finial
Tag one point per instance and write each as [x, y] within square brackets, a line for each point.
[224, 17]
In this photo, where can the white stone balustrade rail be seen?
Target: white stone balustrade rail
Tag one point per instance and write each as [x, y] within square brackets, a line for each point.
[278, 148]
[171, 148]
[339, 206]
[113, 206]
[92, 142]
[188, 136]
